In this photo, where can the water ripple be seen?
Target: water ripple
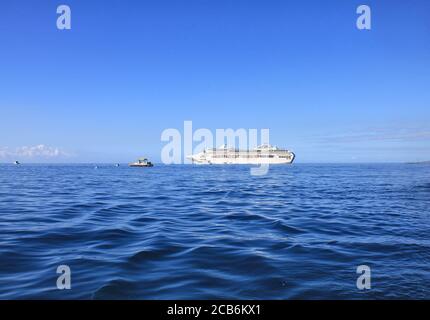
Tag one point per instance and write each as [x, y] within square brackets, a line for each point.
[181, 232]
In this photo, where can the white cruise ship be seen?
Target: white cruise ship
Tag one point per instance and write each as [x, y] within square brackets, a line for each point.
[264, 154]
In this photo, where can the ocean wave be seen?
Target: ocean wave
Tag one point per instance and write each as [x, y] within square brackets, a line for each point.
[215, 232]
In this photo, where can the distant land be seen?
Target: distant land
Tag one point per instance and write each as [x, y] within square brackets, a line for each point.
[419, 162]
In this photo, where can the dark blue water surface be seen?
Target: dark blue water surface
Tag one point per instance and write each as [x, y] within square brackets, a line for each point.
[179, 232]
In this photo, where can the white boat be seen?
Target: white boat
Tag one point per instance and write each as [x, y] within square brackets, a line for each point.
[16, 162]
[264, 154]
[142, 162]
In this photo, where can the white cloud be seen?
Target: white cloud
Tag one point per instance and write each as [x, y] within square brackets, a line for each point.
[39, 151]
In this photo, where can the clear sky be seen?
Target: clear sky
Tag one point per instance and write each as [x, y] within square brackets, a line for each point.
[106, 89]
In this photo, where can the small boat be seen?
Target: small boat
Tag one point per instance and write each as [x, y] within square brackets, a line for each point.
[16, 162]
[142, 162]
[117, 165]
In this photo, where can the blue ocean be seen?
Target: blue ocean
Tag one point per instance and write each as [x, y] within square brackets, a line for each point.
[215, 232]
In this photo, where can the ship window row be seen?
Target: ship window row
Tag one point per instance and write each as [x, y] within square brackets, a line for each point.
[244, 156]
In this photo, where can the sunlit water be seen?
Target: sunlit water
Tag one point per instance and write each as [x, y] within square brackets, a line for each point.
[179, 232]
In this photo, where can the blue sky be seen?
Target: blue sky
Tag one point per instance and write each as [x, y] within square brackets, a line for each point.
[105, 90]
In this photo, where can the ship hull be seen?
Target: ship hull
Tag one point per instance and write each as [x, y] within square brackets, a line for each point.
[243, 161]
[140, 165]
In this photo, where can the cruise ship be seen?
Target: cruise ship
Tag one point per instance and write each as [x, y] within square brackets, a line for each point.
[264, 154]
